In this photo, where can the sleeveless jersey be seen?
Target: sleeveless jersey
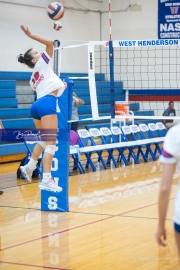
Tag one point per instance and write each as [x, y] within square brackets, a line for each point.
[43, 79]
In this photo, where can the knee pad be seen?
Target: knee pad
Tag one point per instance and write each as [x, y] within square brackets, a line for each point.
[43, 144]
[51, 149]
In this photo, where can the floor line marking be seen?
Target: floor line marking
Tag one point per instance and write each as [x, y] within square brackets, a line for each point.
[116, 215]
[89, 213]
[23, 184]
[9, 206]
[32, 265]
[80, 226]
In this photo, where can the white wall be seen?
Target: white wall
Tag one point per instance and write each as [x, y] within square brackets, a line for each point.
[130, 24]
[78, 27]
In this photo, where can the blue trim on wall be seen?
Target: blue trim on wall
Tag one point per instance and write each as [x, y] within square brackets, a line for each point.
[20, 75]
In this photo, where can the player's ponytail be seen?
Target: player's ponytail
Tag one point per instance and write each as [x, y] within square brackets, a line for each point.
[26, 59]
[21, 58]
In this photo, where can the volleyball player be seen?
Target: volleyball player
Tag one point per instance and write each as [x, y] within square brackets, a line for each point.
[48, 87]
[169, 158]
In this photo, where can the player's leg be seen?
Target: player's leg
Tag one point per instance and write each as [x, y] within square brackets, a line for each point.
[28, 169]
[177, 237]
[41, 145]
[49, 128]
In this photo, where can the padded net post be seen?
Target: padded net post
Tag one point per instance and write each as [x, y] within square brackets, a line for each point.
[111, 65]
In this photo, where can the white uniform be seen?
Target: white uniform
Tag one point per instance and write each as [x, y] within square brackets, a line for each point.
[43, 79]
[171, 155]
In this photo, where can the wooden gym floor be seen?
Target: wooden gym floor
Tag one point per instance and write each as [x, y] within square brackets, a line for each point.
[111, 223]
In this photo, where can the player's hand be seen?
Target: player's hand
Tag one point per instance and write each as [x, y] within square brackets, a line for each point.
[161, 236]
[65, 84]
[26, 30]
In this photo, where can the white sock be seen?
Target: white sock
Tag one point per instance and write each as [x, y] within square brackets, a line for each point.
[32, 164]
[46, 177]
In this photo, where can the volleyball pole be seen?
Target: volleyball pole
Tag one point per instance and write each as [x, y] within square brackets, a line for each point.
[110, 20]
[111, 64]
[58, 201]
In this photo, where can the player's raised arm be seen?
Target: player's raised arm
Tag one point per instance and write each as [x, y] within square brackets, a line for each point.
[46, 41]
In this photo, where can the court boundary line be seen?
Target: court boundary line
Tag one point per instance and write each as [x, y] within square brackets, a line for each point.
[18, 207]
[116, 215]
[31, 265]
[23, 184]
[88, 213]
[80, 226]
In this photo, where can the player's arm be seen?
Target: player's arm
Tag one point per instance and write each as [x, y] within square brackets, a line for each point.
[76, 100]
[46, 41]
[164, 194]
[164, 120]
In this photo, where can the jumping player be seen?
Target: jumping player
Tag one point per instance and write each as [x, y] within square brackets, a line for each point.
[48, 87]
[169, 158]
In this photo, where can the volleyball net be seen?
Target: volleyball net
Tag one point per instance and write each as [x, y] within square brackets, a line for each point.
[143, 72]
[149, 69]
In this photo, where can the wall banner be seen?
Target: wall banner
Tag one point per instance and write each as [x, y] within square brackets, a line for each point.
[168, 19]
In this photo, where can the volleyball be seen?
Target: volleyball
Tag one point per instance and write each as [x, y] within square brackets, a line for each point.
[57, 26]
[55, 11]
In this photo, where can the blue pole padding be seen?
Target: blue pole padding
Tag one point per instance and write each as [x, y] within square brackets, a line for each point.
[58, 201]
[111, 66]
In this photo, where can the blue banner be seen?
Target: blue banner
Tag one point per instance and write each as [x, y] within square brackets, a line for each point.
[168, 19]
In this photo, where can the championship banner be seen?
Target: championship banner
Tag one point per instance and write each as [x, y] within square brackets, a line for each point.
[168, 19]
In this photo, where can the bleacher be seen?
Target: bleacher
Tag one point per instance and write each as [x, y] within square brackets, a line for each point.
[16, 98]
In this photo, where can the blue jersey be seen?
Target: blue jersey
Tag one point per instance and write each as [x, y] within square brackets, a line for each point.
[169, 112]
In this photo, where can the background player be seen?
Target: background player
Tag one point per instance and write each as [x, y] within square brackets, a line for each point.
[170, 111]
[169, 158]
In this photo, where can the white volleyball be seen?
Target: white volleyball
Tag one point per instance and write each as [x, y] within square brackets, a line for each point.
[55, 11]
[57, 26]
